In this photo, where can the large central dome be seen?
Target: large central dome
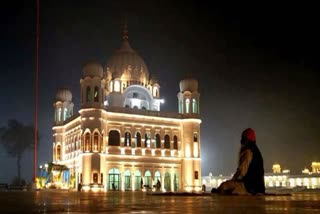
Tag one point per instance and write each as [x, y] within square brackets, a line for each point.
[126, 64]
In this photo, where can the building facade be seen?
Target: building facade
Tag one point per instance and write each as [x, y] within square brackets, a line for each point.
[120, 139]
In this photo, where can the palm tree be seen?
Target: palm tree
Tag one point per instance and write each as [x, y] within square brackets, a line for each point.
[16, 138]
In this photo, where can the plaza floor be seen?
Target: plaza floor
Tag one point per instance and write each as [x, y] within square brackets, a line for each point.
[141, 202]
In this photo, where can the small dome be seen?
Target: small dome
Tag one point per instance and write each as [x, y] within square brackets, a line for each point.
[92, 69]
[64, 95]
[188, 85]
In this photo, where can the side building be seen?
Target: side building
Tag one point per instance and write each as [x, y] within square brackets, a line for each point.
[119, 139]
[277, 179]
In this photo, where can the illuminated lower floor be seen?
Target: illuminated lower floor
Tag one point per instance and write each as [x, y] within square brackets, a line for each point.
[125, 173]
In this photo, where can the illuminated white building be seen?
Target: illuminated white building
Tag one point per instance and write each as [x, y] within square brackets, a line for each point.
[277, 179]
[119, 138]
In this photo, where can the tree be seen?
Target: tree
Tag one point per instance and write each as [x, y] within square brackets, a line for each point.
[16, 138]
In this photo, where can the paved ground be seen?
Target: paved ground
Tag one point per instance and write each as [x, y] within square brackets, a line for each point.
[140, 202]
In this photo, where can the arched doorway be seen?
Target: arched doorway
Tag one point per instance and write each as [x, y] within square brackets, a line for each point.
[127, 180]
[167, 181]
[176, 182]
[157, 180]
[137, 180]
[114, 179]
[147, 179]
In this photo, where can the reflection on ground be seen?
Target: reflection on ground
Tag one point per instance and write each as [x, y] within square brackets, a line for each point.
[140, 202]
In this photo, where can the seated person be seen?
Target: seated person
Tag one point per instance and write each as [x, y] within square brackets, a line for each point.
[249, 177]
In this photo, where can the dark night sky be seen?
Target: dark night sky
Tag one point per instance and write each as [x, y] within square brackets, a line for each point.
[257, 66]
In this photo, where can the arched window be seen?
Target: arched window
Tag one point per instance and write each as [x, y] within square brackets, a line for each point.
[95, 142]
[155, 91]
[59, 114]
[96, 94]
[157, 177]
[175, 142]
[65, 113]
[116, 86]
[147, 179]
[180, 106]
[147, 140]
[138, 139]
[114, 138]
[194, 106]
[58, 152]
[195, 137]
[87, 142]
[166, 142]
[127, 139]
[88, 94]
[158, 142]
[187, 105]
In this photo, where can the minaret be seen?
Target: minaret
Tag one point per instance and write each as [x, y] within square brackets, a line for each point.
[92, 86]
[188, 98]
[63, 106]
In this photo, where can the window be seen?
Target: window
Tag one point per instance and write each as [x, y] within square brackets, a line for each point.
[138, 139]
[95, 142]
[127, 139]
[116, 86]
[175, 142]
[96, 94]
[65, 113]
[59, 114]
[114, 138]
[155, 91]
[135, 95]
[194, 106]
[88, 94]
[166, 142]
[195, 137]
[58, 152]
[181, 107]
[187, 105]
[87, 142]
[147, 140]
[158, 142]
